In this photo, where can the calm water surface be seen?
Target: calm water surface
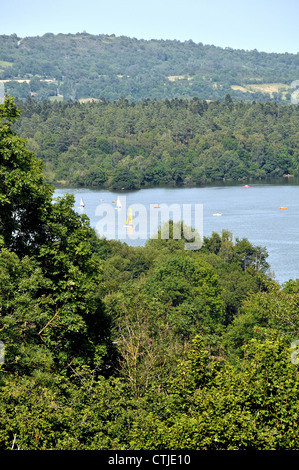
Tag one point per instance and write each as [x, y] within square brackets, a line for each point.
[252, 213]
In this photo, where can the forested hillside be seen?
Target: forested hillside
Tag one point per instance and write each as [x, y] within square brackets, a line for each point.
[111, 347]
[170, 142]
[84, 66]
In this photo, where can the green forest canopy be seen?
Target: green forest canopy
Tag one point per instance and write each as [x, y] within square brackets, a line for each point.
[112, 347]
[118, 144]
[84, 66]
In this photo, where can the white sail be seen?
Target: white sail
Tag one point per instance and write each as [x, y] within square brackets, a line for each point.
[118, 203]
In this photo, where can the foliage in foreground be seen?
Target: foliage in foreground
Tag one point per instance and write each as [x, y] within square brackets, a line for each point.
[113, 347]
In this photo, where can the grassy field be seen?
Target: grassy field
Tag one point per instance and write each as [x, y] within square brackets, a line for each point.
[4, 64]
[268, 88]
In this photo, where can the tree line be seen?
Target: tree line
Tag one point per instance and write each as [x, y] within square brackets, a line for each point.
[113, 347]
[127, 145]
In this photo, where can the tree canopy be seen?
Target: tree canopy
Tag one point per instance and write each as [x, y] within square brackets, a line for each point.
[171, 142]
[112, 347]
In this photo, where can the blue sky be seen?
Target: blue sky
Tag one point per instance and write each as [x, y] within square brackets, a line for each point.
[265, 25]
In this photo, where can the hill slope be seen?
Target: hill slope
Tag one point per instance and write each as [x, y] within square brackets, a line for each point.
[84, 66]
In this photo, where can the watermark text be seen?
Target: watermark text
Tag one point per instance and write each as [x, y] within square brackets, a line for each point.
[117, 221]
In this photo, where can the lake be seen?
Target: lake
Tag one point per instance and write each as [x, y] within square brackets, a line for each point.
[266, 214]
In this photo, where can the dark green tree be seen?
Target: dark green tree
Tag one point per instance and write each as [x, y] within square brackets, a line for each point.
[50, 266]
[24, 198]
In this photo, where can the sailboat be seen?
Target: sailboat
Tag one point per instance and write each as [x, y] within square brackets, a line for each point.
[82, 203]
[129, 221]
[118, 203]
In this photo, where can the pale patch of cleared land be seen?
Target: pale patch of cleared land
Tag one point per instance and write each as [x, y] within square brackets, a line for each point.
[268, 88]
[4, 64]
[173, 78]
[19, 80]
[241, 88]
[27, 80]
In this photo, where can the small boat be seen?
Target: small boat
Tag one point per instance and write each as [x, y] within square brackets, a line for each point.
[82, 203]
[246, 186]
[283, 207]
[118, 204]
[101, 199]
[129, 221]
[114, 201]
[217, 214]
[156, 206]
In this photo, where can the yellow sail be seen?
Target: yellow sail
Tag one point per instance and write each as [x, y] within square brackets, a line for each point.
[130, 218]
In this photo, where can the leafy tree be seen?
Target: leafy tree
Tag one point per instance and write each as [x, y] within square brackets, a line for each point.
[50, 269]
[214, 407]
[261, 313]
[25, 198]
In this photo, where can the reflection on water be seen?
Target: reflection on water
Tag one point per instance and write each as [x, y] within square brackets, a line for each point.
[252, 212]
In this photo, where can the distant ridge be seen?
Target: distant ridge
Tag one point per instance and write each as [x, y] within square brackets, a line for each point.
[83, 66]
